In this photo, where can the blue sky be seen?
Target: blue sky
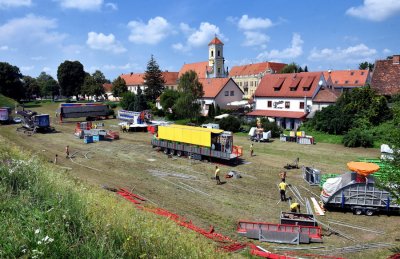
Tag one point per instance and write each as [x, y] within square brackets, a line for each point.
[119, 36]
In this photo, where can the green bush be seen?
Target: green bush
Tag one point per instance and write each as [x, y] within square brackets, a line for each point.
[230, 123]
[271, 126]
[358, 138]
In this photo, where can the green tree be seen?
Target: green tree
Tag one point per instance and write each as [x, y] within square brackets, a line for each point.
[153, 80]
[70, 75]
[211, 111]
[271, 126]
[291, 68]
[168, 99]
[230, 123]
[218, 110]
[305, 69]
[31, 86]
[187, 105]
[140, 101]
[119, 87]
[93, 85]
[10, 81]
[128, 101]
[48, 85]
[99, 77]
[366, 65]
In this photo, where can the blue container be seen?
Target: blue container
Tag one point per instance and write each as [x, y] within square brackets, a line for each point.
[96, 138]
[88, 139]
[42, 120]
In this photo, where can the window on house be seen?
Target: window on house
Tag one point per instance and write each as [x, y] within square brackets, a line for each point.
[287, 105]
[301, 105]
[226, 93]
[240, 83]
[362, 73]
[219, 53]
[356, 82]
[255, 83]
[352, 73]
[212, 53]
[269, 104]
[346, 82]
[336, 81]
[219, 70]
[232, 93]
[246, 90]
[251, 83]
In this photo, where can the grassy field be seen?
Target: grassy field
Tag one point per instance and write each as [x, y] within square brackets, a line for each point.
[6, 102]
[184, 186]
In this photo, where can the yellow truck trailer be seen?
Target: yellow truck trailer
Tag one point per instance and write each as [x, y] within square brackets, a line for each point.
[196, 142]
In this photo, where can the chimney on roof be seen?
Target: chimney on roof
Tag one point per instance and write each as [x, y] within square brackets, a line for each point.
[131, 73]
[396, 59]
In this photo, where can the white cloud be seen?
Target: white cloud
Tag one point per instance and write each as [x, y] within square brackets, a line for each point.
[255, 39]
[4, 47]
[46, 69]
[295, 50]
[204, 34]
[178, 46]
[357, 53]
[14, 3]
[83, 5]
[38, 58]
[127, 66]
[185, 28]
[30, 28]
[246, 23]
[152, 33]
[112, 6]
[101, 41]
[375, 10]
[386, 51]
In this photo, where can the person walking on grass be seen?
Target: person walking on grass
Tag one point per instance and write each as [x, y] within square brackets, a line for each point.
[251, 149]
[282, 190]
[67, 151]
[55, 159]
[217, 172]
[282, 175]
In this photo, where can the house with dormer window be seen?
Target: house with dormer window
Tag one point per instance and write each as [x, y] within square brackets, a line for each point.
[344, 80]
[287, 99]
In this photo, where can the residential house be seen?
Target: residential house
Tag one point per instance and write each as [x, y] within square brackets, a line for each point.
[344, 80]
[287, 98]
[108, 91]
[134, 81]
[386, 76]
[219, 91]
[248, 76]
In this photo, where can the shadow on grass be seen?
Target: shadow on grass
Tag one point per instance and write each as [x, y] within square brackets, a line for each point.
[32, 105]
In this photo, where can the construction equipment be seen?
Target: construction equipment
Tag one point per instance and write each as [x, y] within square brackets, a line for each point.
[196, 142]
[294, 165]
[356, 191]
[33, 122]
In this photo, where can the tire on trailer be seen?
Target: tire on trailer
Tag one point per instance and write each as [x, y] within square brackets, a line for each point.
[166, 151]
[172, 152]
[369, 212]
[179, 153]
[357, 211]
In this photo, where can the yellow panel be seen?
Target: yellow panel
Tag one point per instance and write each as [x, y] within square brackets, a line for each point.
[187, 134]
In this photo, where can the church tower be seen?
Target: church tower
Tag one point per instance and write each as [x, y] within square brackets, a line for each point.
[216, 59]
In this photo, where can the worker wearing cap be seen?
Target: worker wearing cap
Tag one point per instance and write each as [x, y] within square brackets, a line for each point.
[294, 207]
[282, 190]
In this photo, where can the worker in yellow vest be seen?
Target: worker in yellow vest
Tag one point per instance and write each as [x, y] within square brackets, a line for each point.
[294, 207]
[282, 190]
[217, 172]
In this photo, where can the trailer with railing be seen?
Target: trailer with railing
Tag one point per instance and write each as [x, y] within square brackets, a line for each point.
[357, 192]
[196, 142]
[82, 110]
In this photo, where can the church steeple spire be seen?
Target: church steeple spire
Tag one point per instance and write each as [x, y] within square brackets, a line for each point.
[216, 58]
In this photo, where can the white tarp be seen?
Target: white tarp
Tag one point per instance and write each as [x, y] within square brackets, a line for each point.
[238, 103]
[330, 187]
[219, 117]
[386, 152]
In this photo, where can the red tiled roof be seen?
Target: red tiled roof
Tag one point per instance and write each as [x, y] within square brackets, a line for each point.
[107, 87]
[279, 85]
[347, 78]
[386, 77]
[326, 95]
[170, 78]
[133, 78]
[137, 78]
[253, 69]
[212, 86]
[199, 67]
[277, 114]
[215, 41]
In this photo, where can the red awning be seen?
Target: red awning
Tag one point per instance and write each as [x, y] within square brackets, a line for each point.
[277, 114]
